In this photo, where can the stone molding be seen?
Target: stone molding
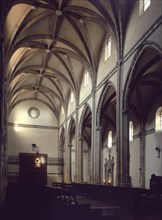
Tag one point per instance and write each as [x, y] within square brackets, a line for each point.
[14, 159]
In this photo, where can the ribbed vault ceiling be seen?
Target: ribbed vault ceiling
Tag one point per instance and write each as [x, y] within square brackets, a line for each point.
[49, 44]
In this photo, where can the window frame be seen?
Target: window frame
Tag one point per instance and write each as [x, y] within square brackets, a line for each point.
[108, 48]
[109, 139]
[131, 131]
[158, 119]
[86, 78]
[71, 97]
[146, 4]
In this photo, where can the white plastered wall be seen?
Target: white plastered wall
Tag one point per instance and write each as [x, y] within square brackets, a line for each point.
[140, 22]
[23, 131]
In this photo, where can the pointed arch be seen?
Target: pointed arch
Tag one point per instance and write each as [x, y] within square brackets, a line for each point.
[142, 92]
[132, 70]
[85, 142]
[85, 113]
[106, 109]
[62, 137]
[102, 99]
[71, 130]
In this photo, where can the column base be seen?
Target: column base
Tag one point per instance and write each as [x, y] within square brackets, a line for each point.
[79, 179]
[124, 181]
[96, 180]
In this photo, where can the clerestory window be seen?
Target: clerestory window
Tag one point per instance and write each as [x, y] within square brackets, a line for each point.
[158, 119]
[108, 48]
[62, 110]
[86, 78]
[72, 97]
[146, 4]
[109, 139]
[131, 128]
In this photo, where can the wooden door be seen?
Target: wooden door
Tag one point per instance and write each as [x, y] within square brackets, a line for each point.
[33, 168]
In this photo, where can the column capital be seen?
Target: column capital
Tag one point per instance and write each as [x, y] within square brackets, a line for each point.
[99, 128]
[95, 179]
[69, 145]
[80, 138]
[126, 111]
[125, 181]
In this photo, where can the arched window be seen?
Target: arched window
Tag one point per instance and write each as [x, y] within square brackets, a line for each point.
[86, 78]
[62, 110]
[158, 119]
[108, 48]
[109, 139]
[72, 97]
[146, 4]
[131, 127]
[143, 6]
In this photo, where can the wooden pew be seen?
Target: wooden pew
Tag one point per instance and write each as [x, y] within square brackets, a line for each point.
[66, 191]
[30, 202]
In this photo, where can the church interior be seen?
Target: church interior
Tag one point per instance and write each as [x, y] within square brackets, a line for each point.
[81, 109]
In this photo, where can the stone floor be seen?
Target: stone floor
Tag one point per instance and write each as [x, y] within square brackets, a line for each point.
[125, 212]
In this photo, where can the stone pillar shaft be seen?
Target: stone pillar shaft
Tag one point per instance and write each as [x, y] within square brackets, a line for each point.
[124, 177]
[97, 156]
[142, 159]
[80, 160]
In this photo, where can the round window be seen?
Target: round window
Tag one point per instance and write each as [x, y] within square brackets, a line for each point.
[33, 112]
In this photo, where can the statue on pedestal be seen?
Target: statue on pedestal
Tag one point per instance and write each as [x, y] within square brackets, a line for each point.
[109, 170]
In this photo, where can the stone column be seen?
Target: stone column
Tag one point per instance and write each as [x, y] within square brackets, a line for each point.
[3, 173]
[142, 159]
[67, 174]
[122, 126]
[67, 163]
[70, 146]
[124, 155]
[97, 156]
[3, 126]
[61, 167]
[93, 173]
[80, 160]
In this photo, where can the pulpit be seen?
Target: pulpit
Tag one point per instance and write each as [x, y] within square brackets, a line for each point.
[33, 168]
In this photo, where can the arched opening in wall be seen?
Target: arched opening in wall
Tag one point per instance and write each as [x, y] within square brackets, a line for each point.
[108, 175]
[72, 144]
[86, 121]
[143, 95]
[106, 119]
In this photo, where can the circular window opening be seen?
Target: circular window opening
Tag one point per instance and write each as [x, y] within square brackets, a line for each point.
[33, 112]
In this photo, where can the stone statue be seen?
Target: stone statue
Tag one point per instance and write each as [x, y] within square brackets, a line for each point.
[109, 170]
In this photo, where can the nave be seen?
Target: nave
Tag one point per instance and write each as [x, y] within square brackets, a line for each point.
[80, 201]
[81, 109]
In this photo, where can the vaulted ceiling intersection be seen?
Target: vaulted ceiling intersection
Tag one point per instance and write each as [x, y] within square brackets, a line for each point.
[49, 44]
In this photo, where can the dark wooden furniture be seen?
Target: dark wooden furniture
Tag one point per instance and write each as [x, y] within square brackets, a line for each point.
[33, 168]
[156, 184]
